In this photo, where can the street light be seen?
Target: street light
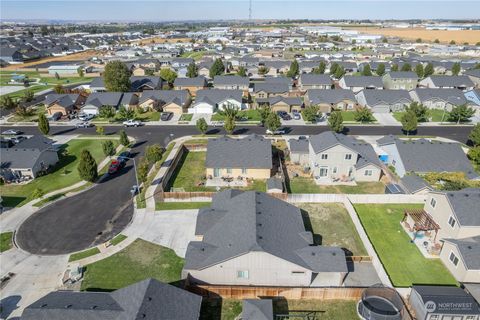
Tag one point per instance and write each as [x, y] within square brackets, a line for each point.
[135, 169]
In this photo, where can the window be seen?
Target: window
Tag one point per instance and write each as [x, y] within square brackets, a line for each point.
[434, 317]
[470, 318]
[348, 156]
[451, 221]
[244, 170]
[433, 202]
[324, 156]
[323, 171]
[453, 258]
[296, 273]
[368, 172]
[229, 170]
[335, 169]
[242, 274]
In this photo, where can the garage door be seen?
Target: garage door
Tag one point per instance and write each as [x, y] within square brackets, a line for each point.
[381, 109]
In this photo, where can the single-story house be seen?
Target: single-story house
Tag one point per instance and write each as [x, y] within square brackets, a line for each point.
[447, 82]
[328, 100]
[231, 83]
[99, 99]
[384, 101]
[280, 103]
[212, 100]
[277, 67]
[265, 90]
[403, 80]
[97, 85]
[64, 103]
[143, 83]
[176, 101]
[444, 99]
[314, 81]
[250, 158]
[149, 299]
[474, 75]
[129, 100]
[358, 83]
[252, 238]
[190, 84]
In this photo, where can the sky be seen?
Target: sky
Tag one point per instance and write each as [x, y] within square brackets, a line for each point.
[167, 10]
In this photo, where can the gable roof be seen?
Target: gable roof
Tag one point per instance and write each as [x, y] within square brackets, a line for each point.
[315, 79]
[152, 82]
[451, 81]
[97, 83]
[257, 309]
[271, 87]
[363, 81]
[199, 81]
[231, 80]
[446, 298]
[215, 96]
[179, 97]
[99, 99]
[257, 222]
[252, 152]
[403, 75]
[291, 101]
[387, 97]
[319, 96]
[465, 205]
[414, 183]
[452, 96]
[469, 249]
[25, 154]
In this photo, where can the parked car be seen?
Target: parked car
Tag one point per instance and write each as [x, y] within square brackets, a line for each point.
[115, 166]
[296, 115]
[83, 124]
[12, 132]
[284, 115]
[132, 123]
[124, 156]
[276, 132]
[85, 116]
[18, 139]
[165, 116]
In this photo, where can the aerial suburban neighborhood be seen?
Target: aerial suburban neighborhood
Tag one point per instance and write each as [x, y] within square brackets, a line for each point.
[278, 162]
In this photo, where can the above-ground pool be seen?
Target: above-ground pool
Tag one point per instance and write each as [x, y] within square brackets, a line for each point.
[381, 303]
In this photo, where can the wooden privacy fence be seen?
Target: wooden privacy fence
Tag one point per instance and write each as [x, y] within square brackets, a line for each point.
[359, 258]
[202, 196]
[294, 293]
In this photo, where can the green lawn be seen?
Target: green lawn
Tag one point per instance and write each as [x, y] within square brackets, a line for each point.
[180, 205]
[331, 225]
[307, 185]
[119, 238]
[348, 116]
[229, 309]
[186, 117]
[251, 115]
[138, 261]
[402, 260]
[83, 254]
[64, 174]
[195, 55]
[148, 116]
[35, 88]
[31, 118]
[5, 241]
[435, 115]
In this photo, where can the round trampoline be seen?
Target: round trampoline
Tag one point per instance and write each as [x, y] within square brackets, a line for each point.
[381, 303]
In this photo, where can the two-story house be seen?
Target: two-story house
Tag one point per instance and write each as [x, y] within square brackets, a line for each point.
[400, 80]
[314, 81]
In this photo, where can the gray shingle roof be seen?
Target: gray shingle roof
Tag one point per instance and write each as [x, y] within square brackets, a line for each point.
[271, 87]
[453, 96]
[129, 98]
[446, 295]
[469, 249]
[252, 152]
[363, 81]
[99, 99]
[148, 299]
[414, 183]
[152, 82]
[291, 101]
[257, 309]
[274, 183]
[318, 96]
[65, 100]
[231, 80]
[315, 79]
[97, 83]
[451, 81]
[403, 75]
[465, 205]
[255, 221]
[166, 96]
[298, 145]
[386, 97]
[218, 95]
[25, 154]
[199, 81]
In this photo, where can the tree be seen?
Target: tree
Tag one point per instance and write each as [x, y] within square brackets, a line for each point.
[108, 148]
[419, 40]
[44, 30]
[217, 68]
[202, 125]
[474, 155]
[421, 112]
[142, 170]
[149, 72]
[419, 70]
[264, 113]
[294, 69]
[229, 112]
[461, 113]
[366, 70]
[125, 113]
[168, 75]
[28, 95]
[116, 77]
[100, 130]
[409, 122]
[429, 70]
[452, 42]
[87, 167]
[363, 115]
[335, 121]
[57, 76]
[339, 72]
[263, 70]
[475, 135]
[456, 68]
[229, 125]
[384, 40]
[106, 112]
[394, 67]
[80, 72]
[58, 88]
[273, 122]
[310, 113]
[22, 111]
[333, 68]
[381, 69]
[8, 103]
[154, 153]
[43, 124]
[242, 72]
[436, 41]
[321, 68]
[477, 66]
[124, 141]
[192, 70]
[406, 67]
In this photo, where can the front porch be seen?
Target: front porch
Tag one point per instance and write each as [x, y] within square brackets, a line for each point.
[422, 230]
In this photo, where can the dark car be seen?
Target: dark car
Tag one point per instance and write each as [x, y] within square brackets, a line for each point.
[284, 115]
[124, 156]
[115, 166]
[166, 116]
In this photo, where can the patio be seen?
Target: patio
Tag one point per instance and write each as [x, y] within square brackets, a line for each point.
[226, 182]
[330, 181]
[422, 230]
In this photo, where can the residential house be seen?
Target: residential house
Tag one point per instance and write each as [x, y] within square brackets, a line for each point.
[97, 85]
[129, 100]
[210, 101]
[443, 99]
[257, 309]
[63, 103]
[176, 101]
[307, 66]
[191, 84]
[447, 82]
[252, 238]
[423, 156]
[358, 83]
[414, 184]
[339, 158]
[264, 90]
[328, 100]
[384, 101]
[99, 99]
[143, 83]
[27, 159]
[10, 54]
[473, 96]
[279, 103]
[400, 80]
[68, 69]
[299, 151]
[149, 299]
[442, 302]
[314, 81]
[474, 76]
[249, 158]
[178, 63]
[232, 83]
[461, 258]
[276, 67]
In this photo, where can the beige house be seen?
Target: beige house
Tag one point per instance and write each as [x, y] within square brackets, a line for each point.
[247, 158]
[336, 158]
[176, 101]
[461, 257]
[252, 238]
[190, 84]
[284, 104]
[63, 103]
[329, 100]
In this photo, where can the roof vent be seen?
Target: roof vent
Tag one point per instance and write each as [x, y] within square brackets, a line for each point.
[94, 307]
[202, 249]
[260, 237]
[44, 305]
[469, 247]
[313, 253]
[149, 298]
[334, 253]
[259, 212]
[259, 224]
[68, 306]
[143, 315]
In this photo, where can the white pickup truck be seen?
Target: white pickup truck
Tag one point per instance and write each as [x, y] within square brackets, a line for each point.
[132, 123]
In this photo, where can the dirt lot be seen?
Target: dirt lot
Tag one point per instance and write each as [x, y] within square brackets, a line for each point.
[72, 57]
[459, 36]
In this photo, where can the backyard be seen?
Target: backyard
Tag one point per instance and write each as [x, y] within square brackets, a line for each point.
[229, 309]
[307, 185]
[137, 262]
[64, 174]
[402, 260]
[331, 226]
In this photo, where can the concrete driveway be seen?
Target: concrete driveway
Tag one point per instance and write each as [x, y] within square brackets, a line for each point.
[386, 119]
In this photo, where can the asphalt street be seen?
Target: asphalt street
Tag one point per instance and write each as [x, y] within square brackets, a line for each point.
[95, 216]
